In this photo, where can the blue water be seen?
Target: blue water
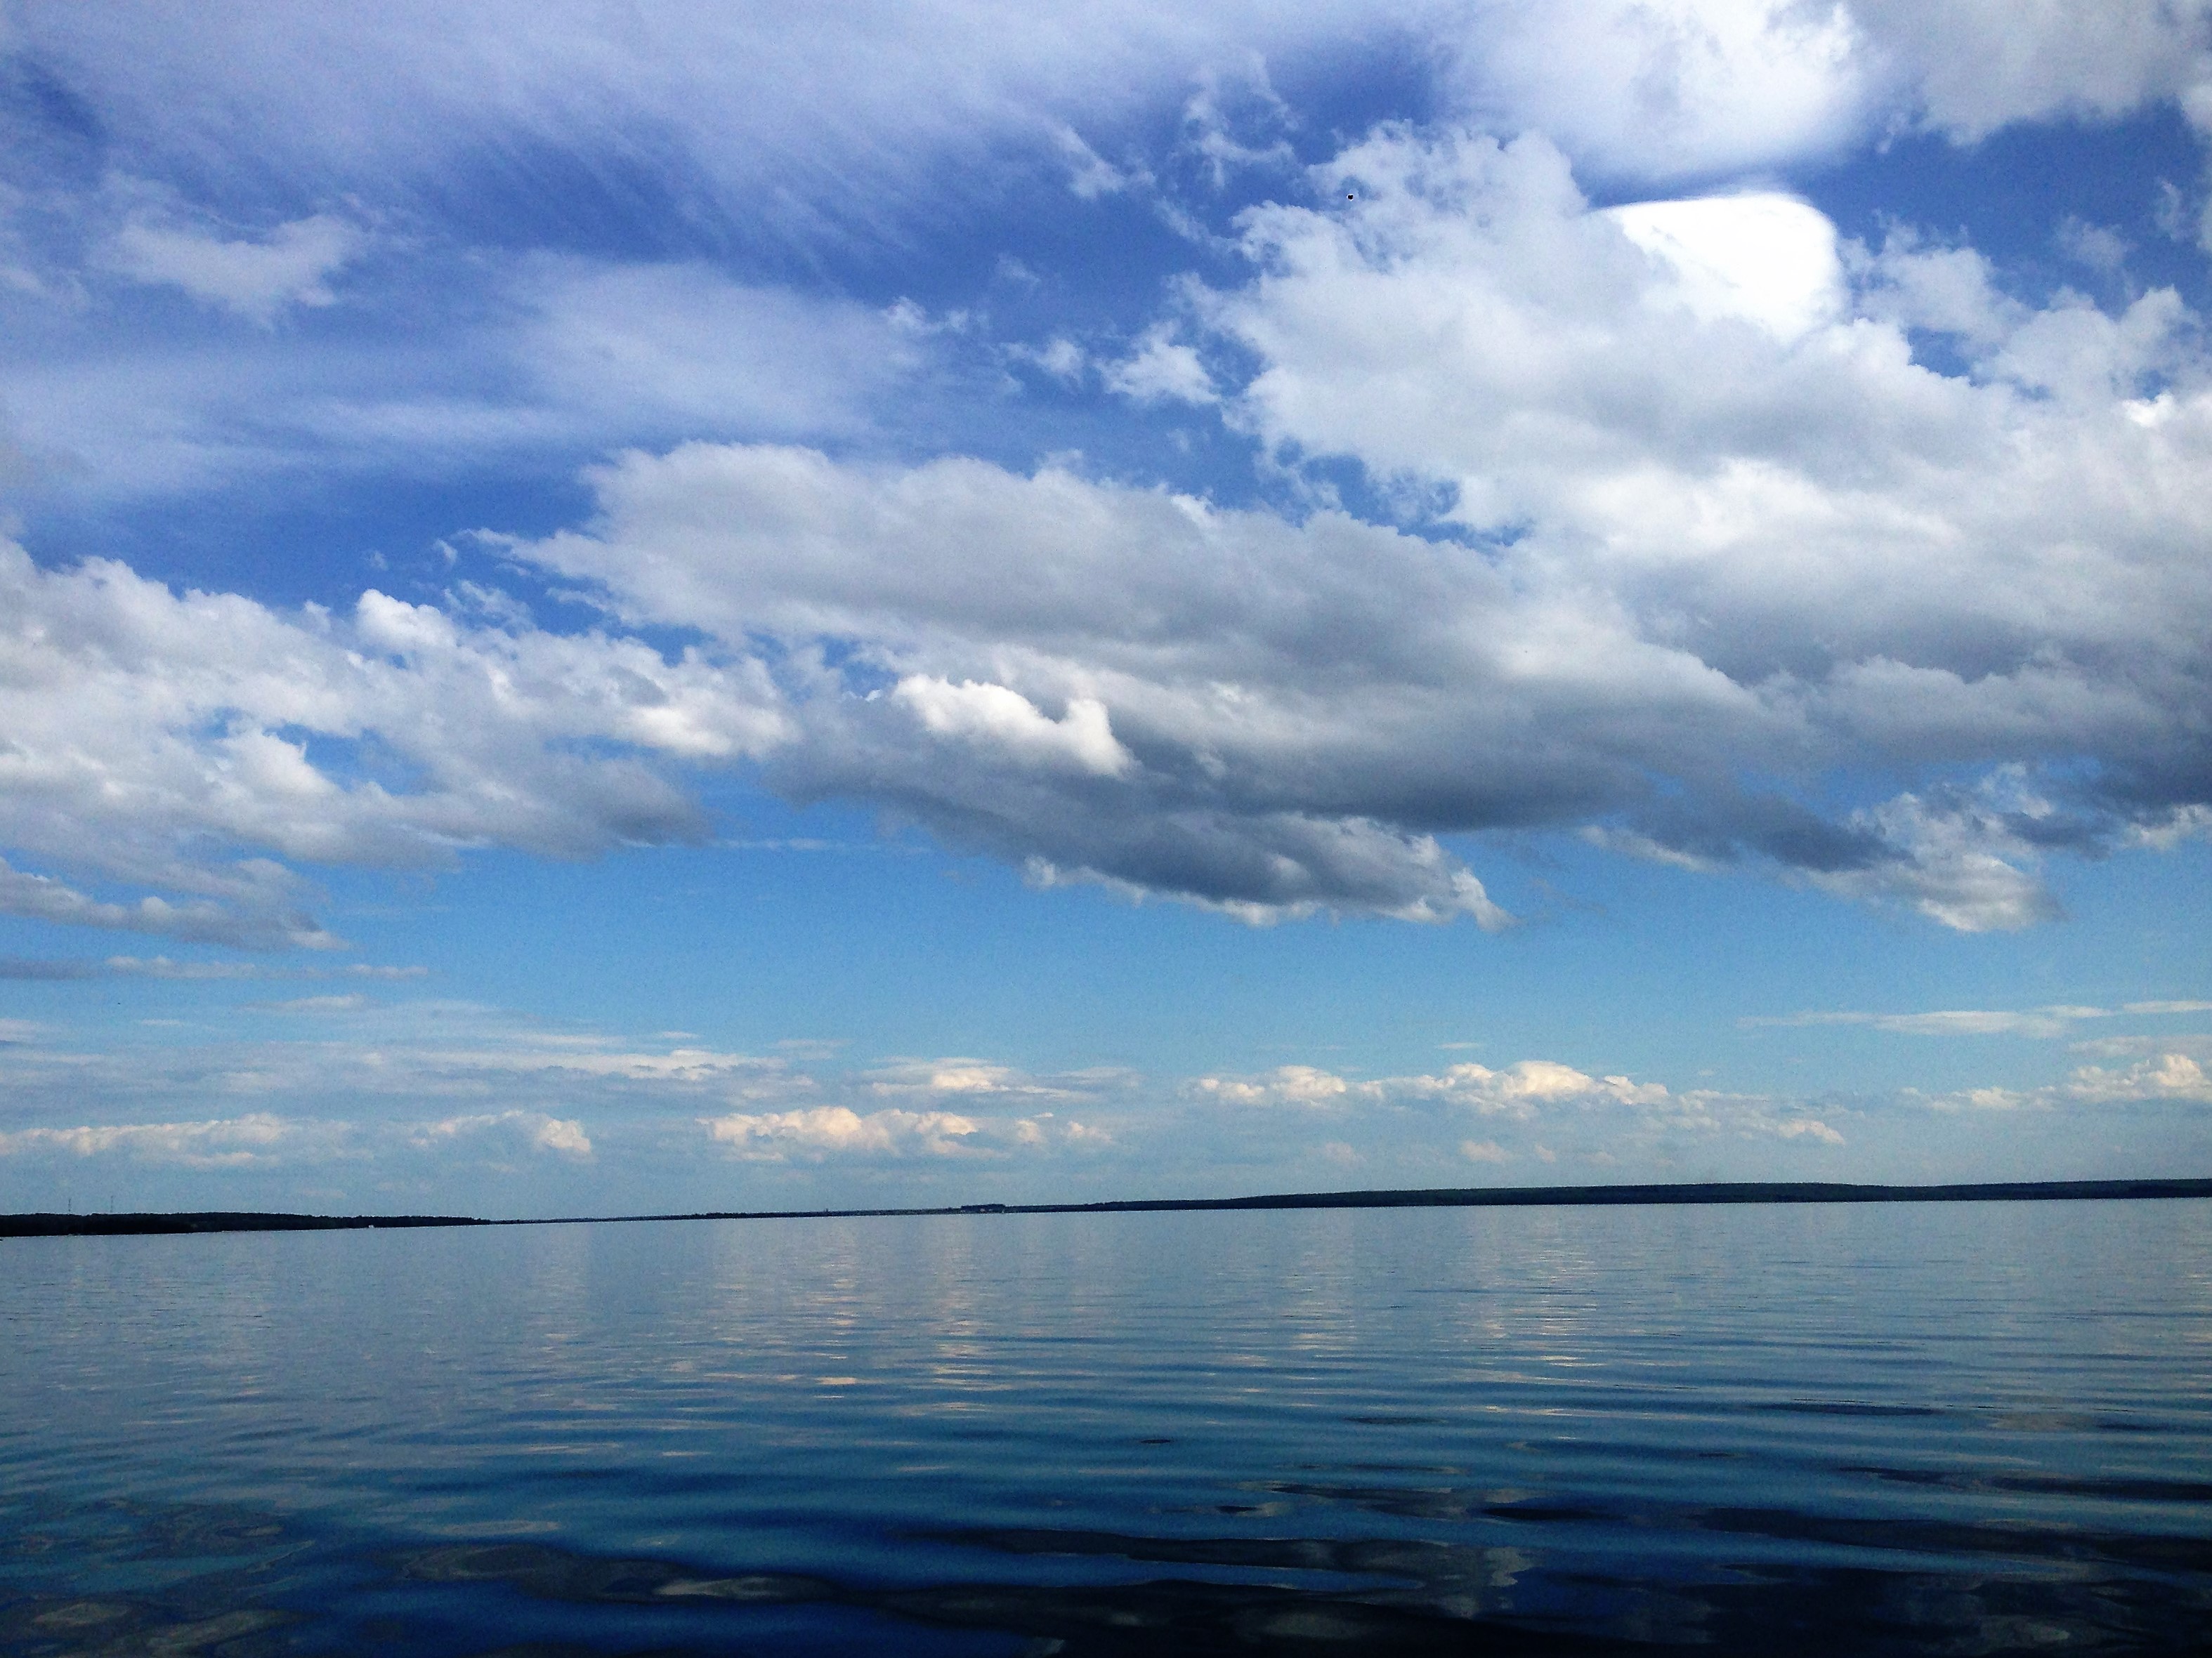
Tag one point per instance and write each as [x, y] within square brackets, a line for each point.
[1964, 1427]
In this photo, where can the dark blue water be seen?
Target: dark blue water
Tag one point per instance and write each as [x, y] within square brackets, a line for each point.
[1970, 1428]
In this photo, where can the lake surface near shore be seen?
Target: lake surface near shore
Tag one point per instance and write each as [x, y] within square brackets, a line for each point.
[1960, 1428]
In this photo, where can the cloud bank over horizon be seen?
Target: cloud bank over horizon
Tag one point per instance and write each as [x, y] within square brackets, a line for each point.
[449, 1106]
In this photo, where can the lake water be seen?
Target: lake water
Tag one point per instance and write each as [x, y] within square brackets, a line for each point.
[1954, 1427]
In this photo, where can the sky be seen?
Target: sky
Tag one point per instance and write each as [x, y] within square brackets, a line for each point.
[639, 608]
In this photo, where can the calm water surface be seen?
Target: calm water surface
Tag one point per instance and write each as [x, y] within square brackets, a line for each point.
[1967, 1429]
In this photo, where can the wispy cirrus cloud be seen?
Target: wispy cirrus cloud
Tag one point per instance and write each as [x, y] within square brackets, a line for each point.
[2040, 1021]
[162, 967]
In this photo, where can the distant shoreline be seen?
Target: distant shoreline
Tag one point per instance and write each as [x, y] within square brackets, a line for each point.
[1474, 1197]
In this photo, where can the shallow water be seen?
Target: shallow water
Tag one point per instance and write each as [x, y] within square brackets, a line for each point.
[1958, 1428]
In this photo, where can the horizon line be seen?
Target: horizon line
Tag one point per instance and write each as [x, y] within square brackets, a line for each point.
[46, 1223]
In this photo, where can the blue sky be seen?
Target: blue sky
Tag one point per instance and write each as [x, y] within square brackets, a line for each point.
[628, 609]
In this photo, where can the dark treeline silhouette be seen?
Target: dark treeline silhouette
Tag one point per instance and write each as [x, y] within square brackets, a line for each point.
[1450, 1196]
[208, 1220]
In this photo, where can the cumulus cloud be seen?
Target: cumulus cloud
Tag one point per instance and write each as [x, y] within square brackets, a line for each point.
[1765, 259]
[1098, 682]
[1288, 1084]
[1814, 541]
[1161, 369]
[992, 716]
[139, 727]
[2168, 1076]
[1666, 87]
[1520, 1090]
[1607, 1111]
[1721, 535]
[414, 1092]
[836, 1131]
[533, 1129]
[1975, 65]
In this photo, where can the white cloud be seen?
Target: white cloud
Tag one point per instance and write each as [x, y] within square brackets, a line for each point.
[470, 360]
[222, 1143]
[534, 1129]
[1665, 88]
[1811, 1128]
[2100, 248]
[809, 127]
[2167, 1076]
[1601, 1112]
[139, 728]
[255, 278]
[1520, 1090]
[880, 116]
[678, 349]
[447, 1093]
[1864, 554]
[1288, 1084]
[315, 1005]
[1089, 175]
[837, 1131]
[1769, 259]
[1955, 864]
[1976, 65]
[268, 1140]
[2040, 1022]
[1161, 369]
[1083, 738]
[1660, 88]
[1059, 356]
[592, 1059]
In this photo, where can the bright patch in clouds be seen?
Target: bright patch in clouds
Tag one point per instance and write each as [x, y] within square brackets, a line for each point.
[1768, 259]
